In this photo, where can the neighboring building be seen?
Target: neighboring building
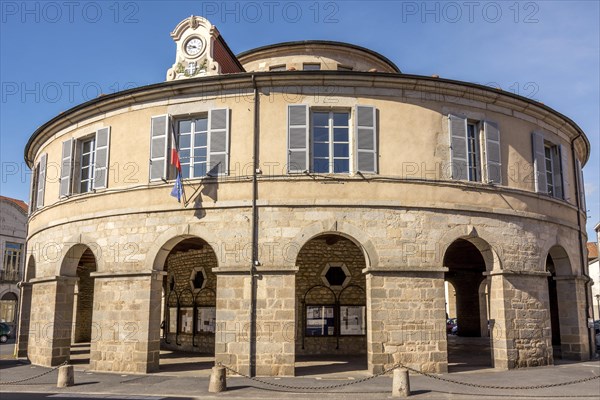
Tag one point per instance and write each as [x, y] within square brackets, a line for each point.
[594, 271]
[13, 235]
[328, 198]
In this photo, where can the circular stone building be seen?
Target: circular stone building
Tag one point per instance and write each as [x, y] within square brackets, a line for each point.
[327, 201]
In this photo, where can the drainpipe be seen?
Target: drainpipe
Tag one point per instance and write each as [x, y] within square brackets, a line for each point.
[581, 258]
[254, 262]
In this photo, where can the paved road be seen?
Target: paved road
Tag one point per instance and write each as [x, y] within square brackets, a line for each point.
[7, 350]
[36, 396]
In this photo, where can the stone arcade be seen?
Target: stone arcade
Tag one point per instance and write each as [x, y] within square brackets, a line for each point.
[328, 198]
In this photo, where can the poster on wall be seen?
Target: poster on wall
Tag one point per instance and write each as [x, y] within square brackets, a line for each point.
[320, 321]
[207, 319]
[186, 319]
[352, 320]
[173, 320]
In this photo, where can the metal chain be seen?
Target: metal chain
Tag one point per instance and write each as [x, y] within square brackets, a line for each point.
[399, 365]
[18, 382]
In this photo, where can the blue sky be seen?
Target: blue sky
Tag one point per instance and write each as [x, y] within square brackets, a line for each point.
[55, 55]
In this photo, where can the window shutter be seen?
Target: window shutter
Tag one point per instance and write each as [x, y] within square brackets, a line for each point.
[298, 140]
[580, 185]
[492, 152]
[101, 167]
[564, 171]
[41, 184]
[159, 144]
[366, 139]
[458, 147]
[33, 191]
[218, 142]
[66, 168]
[539, 163]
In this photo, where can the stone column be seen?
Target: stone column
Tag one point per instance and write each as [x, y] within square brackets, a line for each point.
[572, 318]
[25, 315]
[406, 319]
[126, 322]
[51, 320]
[520, 319]
[233, 330]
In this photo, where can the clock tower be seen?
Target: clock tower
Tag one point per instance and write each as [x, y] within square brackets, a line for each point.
[201, 51]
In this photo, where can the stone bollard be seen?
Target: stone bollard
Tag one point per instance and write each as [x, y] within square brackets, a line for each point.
[66, 376]
[400, 384]
[218, 380]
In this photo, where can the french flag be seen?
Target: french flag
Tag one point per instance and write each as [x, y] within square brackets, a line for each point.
[178, 188]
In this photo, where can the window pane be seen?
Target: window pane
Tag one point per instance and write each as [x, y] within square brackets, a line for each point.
[321, 134]
[199, 139]
[87, 146]
[85, 160]
[85, 173]
[199, 170]
[201, 125]
[200, 152]
[184, 141]
[185, 126]
[341, 150]
[321, 150]
[340, 119]
[341, 165]
[311, 67]
[185, 171]
[340, 134]
[320, 119]
[184, 155]
[321, 165]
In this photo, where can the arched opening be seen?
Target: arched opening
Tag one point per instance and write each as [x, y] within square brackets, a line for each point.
[8, 309]
[468, 341]
[25, 308]
[188, 306]
[80, 262]
[565, 315]
[331, 331]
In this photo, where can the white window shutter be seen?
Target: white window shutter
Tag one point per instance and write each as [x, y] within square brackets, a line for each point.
[102, 150]
[33, 191]
[458, 147]
[564, 172]
[218, 142]
[159, 147]
[580, 185]
[66, 168]
[365, 131]
[298, 138]
[539, 163]
[492, 152]
[41, 184]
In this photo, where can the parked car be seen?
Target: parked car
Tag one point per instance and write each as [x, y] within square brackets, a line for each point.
[597, 333]
[5, 332]
[451, 326]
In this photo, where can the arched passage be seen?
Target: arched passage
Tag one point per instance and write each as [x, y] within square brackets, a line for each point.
[331, 331]
[564, 296]
[188, 305]
[25, 308]
[466, 264]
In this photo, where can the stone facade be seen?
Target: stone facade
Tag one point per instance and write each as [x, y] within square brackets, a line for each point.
[267, 233]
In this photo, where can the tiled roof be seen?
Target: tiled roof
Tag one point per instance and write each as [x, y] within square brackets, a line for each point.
[592, 250]
[19, 203]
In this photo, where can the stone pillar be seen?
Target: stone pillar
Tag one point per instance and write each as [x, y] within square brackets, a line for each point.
[126, 322]
[25, 316]
[572, 318]
[233, 330]
[51, 320]
[275, 321]
[520, 319]
[406, 319]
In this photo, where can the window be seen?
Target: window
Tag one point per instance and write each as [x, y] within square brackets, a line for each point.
[202, 142]
[549, 164]
[13, 253]
[470, 143]
[84, 163]
[343, 68]
[277, 68]
[311, 66]
[193, 147]
[332, 141]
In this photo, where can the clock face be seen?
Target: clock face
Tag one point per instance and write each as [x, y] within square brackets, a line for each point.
[194, 46]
